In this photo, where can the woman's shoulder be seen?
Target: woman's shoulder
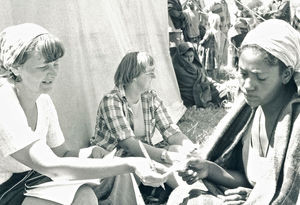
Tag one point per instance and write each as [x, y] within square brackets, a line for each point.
[7, 94]
[112, 98]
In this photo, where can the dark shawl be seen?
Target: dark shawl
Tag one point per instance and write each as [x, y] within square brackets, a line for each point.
[192, 81]
[282, 184]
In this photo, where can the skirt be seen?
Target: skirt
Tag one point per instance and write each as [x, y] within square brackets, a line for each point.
[12, 191]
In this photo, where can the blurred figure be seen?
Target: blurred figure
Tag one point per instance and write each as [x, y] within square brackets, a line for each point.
[176, 14]
[295, 13]
[196, 88]
[213, 46]
[236, 35]
[192, 17]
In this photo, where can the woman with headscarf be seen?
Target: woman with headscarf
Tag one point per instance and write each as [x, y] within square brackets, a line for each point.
[32, 148]
[196, 88]
[253, 157]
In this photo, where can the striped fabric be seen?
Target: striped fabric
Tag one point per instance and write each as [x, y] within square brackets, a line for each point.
[115, 119]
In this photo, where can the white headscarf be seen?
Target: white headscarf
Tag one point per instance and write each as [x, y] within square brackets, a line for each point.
[279, 39]
[14, 39]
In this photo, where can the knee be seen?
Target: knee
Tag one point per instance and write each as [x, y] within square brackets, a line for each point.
[85, 195]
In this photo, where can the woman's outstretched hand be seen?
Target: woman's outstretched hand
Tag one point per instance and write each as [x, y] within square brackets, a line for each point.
[150, 174]
[195, 169]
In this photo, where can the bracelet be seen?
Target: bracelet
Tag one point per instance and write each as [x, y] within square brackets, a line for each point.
[163, 156]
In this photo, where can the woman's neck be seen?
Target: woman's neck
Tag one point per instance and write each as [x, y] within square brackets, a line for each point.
[133, 94]
[26, 98]
[277, 104]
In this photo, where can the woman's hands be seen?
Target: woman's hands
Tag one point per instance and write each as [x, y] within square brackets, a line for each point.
[179, 153]
[174, 157]
[195, 169]
[98, 152]
[236, 196]
[151, 176]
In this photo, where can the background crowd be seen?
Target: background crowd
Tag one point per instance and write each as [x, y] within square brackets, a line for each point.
[216, 30]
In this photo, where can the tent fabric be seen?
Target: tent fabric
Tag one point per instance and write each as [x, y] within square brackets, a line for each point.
[96, 35]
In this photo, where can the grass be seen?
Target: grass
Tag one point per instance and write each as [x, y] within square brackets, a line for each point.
[199, 123]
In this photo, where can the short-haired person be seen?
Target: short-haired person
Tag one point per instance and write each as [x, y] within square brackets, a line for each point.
[254, 156]
[30, 135]
[132, 111]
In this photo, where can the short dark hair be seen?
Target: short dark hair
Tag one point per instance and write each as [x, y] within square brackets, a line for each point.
[50, 47]
[131, 66]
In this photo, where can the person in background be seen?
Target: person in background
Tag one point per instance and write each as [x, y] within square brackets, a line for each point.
[212, 44]
[196, 88]
[32, 148]
[192, 17]
[176, 14]
[295, 14]
[220, 8]
[236, 35]
[131, 112]
[253, 158]
[279, 9]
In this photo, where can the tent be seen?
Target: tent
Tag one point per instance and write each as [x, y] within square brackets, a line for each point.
[96, 35]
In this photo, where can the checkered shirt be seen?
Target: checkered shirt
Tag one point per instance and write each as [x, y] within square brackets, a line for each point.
[114, 121]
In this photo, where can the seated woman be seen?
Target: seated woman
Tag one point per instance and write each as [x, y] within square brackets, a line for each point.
[30, 135]
[196, 88]
[253, 158]
[132, 111]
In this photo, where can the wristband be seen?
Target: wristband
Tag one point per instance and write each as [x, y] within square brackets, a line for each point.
[163, 156]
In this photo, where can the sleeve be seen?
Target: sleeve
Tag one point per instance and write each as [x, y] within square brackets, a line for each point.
[114, 115]
[163, 120]
[55, 136]
[173, 11]
[15, 134]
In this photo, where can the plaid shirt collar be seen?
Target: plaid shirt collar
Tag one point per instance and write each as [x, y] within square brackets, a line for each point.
[149, 130]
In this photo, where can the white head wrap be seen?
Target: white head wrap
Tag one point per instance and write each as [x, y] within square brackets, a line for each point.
[14, 39]
[279, 39]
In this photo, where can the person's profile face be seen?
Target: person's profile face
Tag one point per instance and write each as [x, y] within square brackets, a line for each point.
[37, 75]
[144, 80]
[259, 82]
[189, 56]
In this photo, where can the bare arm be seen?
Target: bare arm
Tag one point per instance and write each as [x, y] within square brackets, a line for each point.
[228, 178]
[41, 158]
[204, 169]
[131, 145]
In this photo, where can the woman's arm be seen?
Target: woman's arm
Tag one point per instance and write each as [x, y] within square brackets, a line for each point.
[40, 157]
[204, 169]
[131, 145]
[228, 178]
